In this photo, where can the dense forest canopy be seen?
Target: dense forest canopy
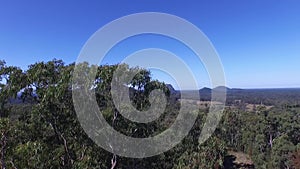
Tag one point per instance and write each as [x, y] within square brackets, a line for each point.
[41, 130]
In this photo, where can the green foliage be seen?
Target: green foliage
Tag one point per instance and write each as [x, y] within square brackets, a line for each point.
[280, 155]
[208, 155]
[44, 132]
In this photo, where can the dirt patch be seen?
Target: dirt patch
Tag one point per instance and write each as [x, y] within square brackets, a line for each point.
[253, 107]
[238, 160]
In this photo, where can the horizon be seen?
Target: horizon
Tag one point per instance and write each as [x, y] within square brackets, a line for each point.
[257, 42]
[228, 87]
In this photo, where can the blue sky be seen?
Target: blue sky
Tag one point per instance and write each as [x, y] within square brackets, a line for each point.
[258, 41]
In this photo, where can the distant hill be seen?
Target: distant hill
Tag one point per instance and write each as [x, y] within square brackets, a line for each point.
[221, 89]
[205, 89]
[171, 88]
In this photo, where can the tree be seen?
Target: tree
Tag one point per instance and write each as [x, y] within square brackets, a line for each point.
[280, 153]
[209, 155]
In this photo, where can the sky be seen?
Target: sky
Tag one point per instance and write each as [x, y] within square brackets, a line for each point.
[258, 42]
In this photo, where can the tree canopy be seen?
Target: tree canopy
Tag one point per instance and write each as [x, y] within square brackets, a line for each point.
[42, 129]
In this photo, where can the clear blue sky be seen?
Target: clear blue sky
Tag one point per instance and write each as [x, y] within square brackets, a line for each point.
[258, 41]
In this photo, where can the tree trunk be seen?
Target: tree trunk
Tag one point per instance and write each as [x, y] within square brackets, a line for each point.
[271, 141]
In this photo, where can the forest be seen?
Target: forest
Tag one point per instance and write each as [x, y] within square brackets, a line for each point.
[39, 128]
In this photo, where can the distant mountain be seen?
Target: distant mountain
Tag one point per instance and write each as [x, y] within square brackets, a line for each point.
[205, 93]
[205, 90]
[171, 88]
[221, 89]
